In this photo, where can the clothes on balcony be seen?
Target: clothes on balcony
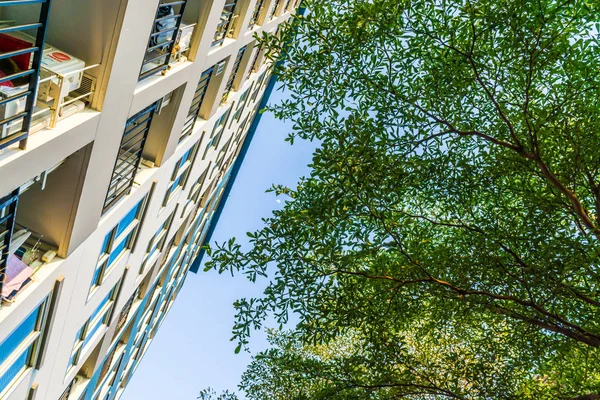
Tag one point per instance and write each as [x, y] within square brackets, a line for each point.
[18, 274]
[164, 25]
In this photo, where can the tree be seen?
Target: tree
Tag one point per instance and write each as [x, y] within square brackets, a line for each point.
[448, 229]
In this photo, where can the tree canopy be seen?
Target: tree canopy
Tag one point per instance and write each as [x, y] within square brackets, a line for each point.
[446, 243]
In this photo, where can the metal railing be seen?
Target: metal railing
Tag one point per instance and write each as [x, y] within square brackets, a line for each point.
[199, 96]
[254, 64]
[274, 9]
[225, 26]
[256, 14]
[130, 156]
[126, 309]
[162, 40]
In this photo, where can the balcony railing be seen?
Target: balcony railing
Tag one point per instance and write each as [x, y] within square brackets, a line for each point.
[22, 251]
[20, 62]
[225, 25]
[130, 155]
[274, 9]
[256, 14]
[234, 71]
[126, 309]
[254, 64]
[166, 29]
[287, 5]
[199, 95]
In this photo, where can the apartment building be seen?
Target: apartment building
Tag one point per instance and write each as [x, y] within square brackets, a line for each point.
[120, 123]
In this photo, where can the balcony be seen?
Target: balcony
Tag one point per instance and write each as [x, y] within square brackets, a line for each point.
[225, 27]
[256, 14]
[197, 102]
[163, 38]
[236, 67]
[274, 9]
[29, 236]
[50, 63]
[130, 155]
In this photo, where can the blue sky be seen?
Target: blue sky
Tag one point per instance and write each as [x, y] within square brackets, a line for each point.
[192, 349]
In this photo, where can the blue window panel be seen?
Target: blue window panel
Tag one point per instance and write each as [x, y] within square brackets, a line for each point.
[119, 249]
[221, 119]
[79, 333]
[17, 337]
[15, 369]
[175, 185]
[128, 219]
[185, 158]
[92, 331]
[106, 243]
[96, 277]
[102, 304]
[72, 360]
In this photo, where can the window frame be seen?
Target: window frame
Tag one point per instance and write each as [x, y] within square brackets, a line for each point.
[157, 242]
[102, 313]
[29, 346]
[104, 265]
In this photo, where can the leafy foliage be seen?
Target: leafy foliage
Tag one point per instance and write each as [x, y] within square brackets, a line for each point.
[448, 229]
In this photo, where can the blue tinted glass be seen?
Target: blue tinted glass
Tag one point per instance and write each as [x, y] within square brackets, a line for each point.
[79, 333]
[118, 249]
[185, 158]
[102, 304]
[128, 219]
[17, 337]
[176, 183]
[92, 331]
[96, 277]
[105, 244]
[72, 360]
[13, 371]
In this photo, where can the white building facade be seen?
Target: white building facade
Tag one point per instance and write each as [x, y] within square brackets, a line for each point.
[120, 122]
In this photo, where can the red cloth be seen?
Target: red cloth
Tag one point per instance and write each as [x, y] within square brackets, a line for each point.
[11, 43]
[7, 83]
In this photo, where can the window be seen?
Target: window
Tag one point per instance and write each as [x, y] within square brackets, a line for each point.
[256, 14]
[225, 25]
[181, 173]
[195, 191]
[19, 350]
[241, 105]
[117, 242]
[99, 319]
[163, 37]
[130, 155]
[217, 132]
[157, 243]
[287, 5]
[125, 310]
[234, 71]
[258, 86]
[199, 96]
[222, 153]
